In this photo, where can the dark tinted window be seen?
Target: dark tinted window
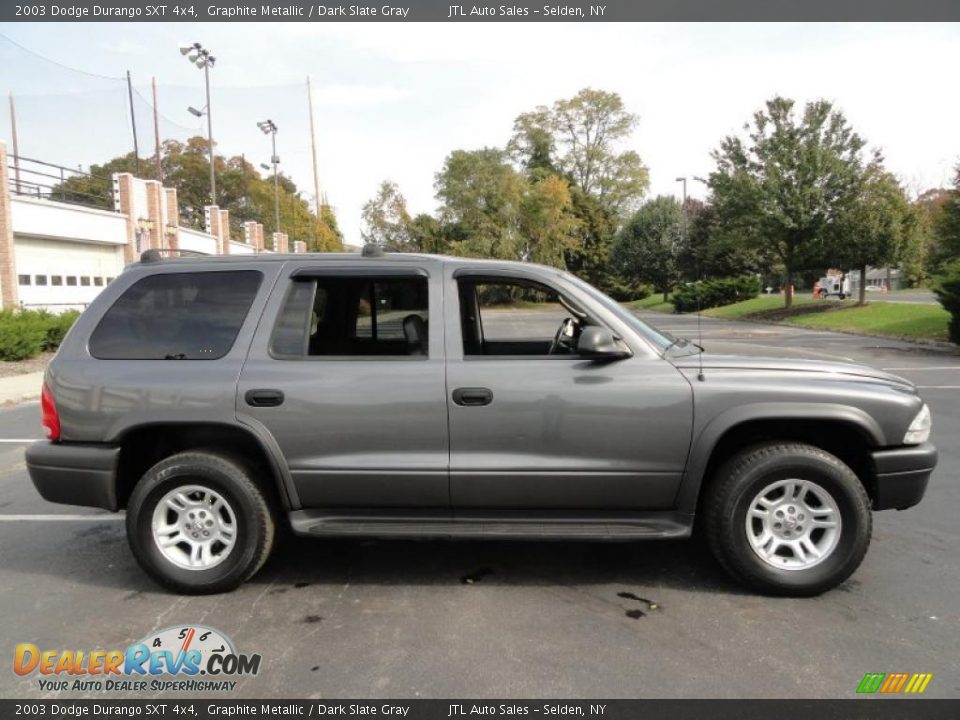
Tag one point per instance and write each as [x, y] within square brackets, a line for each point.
[41, 279]
[354, 316]
[85, 280]
[71, 280]
[23, 279]
[176, 316]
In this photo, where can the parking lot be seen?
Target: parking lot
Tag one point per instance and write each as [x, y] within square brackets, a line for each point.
[355, 618]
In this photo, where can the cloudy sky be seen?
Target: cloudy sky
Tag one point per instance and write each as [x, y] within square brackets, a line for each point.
[392, 100]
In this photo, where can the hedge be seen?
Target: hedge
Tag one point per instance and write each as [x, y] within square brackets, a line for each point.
[714, 293]
[26, 333]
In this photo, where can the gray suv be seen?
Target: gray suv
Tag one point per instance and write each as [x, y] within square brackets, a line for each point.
[401, 395]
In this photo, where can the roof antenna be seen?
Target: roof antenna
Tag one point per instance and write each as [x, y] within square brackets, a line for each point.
[700, 376]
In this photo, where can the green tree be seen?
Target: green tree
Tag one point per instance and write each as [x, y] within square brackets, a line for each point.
[786, 185]
[650, 245]
[481, 197]
[874, 228]
[948, 223]
[386, 220]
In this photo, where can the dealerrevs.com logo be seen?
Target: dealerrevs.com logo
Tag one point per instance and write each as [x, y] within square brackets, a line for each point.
[194, 658]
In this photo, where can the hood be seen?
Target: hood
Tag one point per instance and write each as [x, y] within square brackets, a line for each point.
[740, 356]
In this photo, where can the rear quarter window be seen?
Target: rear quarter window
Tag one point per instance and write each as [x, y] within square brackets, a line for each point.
[177, 316]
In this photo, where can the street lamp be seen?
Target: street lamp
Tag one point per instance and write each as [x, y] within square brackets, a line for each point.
[201, 57]
[268, 127]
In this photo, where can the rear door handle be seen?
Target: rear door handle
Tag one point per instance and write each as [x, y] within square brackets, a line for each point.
[472, 397]
[264, 398]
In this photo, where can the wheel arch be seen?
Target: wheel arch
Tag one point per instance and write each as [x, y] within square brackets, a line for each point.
[144, 445]
[845, 431]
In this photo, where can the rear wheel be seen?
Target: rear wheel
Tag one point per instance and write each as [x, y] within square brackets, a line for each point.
[198, 524]
[788, 519]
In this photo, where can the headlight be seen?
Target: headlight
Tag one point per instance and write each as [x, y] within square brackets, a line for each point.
[919, 430]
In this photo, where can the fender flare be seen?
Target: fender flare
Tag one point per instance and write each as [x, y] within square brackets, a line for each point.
[704, 444]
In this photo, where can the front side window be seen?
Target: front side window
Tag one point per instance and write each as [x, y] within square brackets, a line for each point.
[354, 317]
[510, 317]
[176, 316]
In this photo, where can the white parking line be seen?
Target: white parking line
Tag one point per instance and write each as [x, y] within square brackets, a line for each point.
[19, 441]
[60, 518]
[938, 387]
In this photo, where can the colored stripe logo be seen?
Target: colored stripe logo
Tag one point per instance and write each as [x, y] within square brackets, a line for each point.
[894, 683]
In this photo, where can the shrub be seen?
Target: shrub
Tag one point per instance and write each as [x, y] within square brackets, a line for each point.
[714, 293]
[947, 289]
[21, 335]
[26, 333]
[57, 327]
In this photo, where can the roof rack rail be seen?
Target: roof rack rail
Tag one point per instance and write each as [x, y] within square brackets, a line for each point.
[157, 254]
[372, 250]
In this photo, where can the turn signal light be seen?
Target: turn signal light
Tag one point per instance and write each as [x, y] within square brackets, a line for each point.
[48, 414]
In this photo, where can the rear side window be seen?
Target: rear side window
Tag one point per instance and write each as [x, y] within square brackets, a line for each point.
[354, 317]
[176, 316]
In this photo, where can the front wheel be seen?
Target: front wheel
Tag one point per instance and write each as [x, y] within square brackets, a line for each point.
[788, 519]
[198, 524]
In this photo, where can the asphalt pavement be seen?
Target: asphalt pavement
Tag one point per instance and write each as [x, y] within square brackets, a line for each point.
[366, 619]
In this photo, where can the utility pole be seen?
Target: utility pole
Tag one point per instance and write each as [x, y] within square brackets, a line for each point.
[156, 129]
[133, 123]
[313, 150]
[16, 146]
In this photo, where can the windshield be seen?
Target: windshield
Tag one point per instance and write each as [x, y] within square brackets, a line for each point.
[661, 339]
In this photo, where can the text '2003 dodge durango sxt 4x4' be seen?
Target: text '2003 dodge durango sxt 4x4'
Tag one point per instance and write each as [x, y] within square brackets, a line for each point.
[404, 395]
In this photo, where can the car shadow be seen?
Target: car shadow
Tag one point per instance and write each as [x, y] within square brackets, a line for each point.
[97, 555]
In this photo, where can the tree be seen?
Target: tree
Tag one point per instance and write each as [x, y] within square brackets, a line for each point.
[547, 224]
[873, 229]
[481, 195]
[386, 219]
[651, 243]
[948, 223]
[786, 186]
[240, 189]
[579, 137]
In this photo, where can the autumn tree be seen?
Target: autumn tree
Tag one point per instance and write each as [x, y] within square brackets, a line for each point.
[240, 189]
[786, 185]
[582, 138]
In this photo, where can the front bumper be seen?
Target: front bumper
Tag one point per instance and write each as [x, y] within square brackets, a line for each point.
[902, 475]
[75, 474]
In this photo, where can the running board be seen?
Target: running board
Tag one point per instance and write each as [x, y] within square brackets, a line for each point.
[649, 526]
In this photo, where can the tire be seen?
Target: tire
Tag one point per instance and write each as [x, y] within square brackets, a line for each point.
[842, 296]
[821, 477]
[243, 519]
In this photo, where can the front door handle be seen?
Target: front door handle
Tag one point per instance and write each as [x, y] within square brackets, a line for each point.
[472, 397]
[264, 398]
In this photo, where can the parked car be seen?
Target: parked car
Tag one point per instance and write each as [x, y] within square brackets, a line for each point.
[401, 395]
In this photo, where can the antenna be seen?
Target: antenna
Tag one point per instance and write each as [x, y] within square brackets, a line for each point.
[700, 376]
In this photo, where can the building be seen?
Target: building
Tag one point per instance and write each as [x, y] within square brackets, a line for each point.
[58, 253]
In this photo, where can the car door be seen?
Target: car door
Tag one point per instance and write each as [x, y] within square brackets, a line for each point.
[346, 373]
[535, 431]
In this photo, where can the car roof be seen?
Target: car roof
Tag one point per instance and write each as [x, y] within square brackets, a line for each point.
[400, 258]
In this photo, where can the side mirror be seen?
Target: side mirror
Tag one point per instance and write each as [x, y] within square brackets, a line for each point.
[600, 343]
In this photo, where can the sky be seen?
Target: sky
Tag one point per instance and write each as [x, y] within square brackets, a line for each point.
[393, 100]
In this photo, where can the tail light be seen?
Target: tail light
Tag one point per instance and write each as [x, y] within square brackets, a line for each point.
[48, 414]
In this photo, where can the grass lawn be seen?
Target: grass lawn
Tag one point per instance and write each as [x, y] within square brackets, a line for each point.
[900, 320]
[652, 302]
[759, 304]
[910, 321]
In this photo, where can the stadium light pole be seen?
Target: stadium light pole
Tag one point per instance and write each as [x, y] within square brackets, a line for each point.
[268, 127]
[201, 57]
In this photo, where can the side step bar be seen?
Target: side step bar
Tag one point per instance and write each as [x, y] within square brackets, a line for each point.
[647, 526]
